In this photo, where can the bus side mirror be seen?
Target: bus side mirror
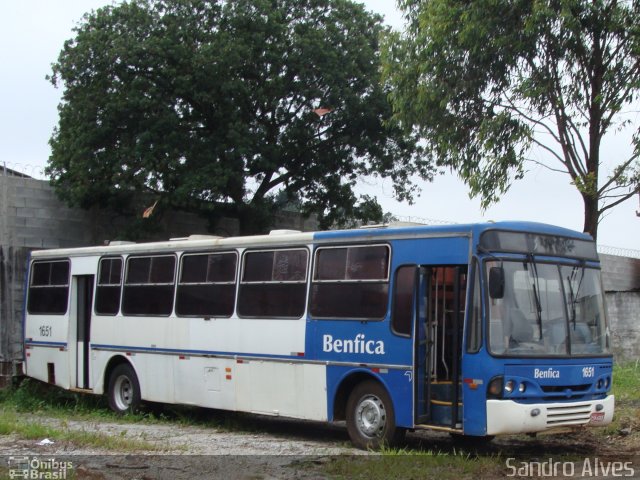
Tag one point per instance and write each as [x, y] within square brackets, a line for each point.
[496, 282]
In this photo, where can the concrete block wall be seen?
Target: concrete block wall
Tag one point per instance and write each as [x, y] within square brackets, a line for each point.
[624, 317]
[33, 217]
[620, 274]
[621, 280]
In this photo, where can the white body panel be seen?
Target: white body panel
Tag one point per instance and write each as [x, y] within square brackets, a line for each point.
[290, 389]
[184, 360]
[509, 417]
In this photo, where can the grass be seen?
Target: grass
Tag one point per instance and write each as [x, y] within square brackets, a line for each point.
[36, 397]
[626, 381]
[12, 423]
[626, 388]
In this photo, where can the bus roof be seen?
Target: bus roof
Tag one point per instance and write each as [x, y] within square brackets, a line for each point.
[291, 237]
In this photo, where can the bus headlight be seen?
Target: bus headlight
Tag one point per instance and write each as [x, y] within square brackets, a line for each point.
[509, 386]
[495, 387]
[522, 387]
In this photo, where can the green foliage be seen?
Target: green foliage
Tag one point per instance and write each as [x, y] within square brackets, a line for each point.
[626, 388]
[626, 382]
[488, 83]
[211, 106]
[34, 396]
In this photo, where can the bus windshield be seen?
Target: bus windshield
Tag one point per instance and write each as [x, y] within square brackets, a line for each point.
[547, 309]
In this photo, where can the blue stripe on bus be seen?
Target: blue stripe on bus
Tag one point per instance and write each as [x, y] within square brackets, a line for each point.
[45, 344]
[125, 348]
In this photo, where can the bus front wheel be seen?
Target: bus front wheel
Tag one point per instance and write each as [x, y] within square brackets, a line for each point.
[370, 417]
[124, 389]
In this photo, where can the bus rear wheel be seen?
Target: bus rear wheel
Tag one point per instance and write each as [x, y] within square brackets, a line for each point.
[124, 390]
[370, 417]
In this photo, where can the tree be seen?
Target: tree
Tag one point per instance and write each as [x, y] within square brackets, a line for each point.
[489, 82]
[227, 108]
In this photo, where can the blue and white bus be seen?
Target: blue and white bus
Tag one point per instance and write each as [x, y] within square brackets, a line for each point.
[478, 330]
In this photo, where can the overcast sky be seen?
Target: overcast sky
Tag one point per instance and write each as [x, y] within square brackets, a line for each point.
[32, 33]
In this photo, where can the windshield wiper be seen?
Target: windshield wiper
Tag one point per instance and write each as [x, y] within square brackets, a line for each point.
[572, 299]
[536, 292]
[574, 295]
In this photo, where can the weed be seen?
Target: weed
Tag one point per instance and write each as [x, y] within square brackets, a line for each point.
[12, 423]
[626, 381]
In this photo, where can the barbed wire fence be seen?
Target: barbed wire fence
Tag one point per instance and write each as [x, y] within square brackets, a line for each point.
[15, 169]
[618, 252]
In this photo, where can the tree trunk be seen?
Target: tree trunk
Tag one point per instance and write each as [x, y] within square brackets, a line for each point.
[591, 215]
[254, 221]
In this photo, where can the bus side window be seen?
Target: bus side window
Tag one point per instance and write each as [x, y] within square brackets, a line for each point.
[273, 284]
[148, 285]
[49, 288]
[351, 282]
[207, 285]
[109, 287]
[403, 308]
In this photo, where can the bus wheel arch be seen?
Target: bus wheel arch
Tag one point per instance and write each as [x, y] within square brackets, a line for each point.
[122, 386]
[344, 390]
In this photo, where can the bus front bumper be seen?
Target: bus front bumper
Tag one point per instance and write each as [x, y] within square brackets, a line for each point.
[508, 417]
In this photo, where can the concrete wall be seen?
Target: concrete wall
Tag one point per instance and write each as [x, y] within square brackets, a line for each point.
[624, 316]
[621, 280]
[33, 217]
[620, 274]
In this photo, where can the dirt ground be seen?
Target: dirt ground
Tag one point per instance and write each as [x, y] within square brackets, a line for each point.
[267, 448]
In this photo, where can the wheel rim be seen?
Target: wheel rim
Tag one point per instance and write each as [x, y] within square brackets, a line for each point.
[123, 392]
[371, 416]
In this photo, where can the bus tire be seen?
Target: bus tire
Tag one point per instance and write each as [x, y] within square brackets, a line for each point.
[124, 390]
[370, 417]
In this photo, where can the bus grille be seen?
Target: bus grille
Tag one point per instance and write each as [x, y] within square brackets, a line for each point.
[575, 414]
[563, 389]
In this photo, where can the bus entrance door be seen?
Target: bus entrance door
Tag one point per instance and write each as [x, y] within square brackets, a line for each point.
[443, 312]
[420, 350]
[83, 307]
